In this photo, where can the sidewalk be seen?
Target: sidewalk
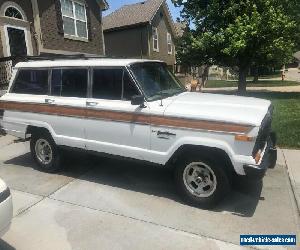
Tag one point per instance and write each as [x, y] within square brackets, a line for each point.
[292, 161]
[288, 89]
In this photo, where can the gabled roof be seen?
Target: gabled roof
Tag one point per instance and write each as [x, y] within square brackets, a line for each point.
[103, 4]
[135, 14]
[297, 55]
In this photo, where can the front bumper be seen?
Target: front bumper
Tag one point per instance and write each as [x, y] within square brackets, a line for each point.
[268, 161]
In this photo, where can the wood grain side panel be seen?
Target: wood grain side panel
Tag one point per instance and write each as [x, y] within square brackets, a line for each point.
[118, 116]
[201, 125]
[125, 117]
[43, 108]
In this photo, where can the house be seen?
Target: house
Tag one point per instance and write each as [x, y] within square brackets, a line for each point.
[39, 27]
[141, 30]
[34, 27]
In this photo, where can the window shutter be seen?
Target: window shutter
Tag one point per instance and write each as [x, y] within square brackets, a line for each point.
[60, 25]
[89, 23]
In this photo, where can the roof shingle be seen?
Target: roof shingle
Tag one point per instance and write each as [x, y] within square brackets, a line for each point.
[132, 14]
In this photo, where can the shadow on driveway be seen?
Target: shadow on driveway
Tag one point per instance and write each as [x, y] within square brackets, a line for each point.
[144, 178]
[5, 246]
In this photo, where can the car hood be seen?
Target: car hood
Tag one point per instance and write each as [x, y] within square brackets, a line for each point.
[215, 107]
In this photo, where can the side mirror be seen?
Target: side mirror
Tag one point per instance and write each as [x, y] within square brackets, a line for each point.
[137, 100]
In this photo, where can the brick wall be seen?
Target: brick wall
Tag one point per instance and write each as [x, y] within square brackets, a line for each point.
[53, 40]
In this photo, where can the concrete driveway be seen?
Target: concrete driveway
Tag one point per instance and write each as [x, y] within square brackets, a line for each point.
[98, 203]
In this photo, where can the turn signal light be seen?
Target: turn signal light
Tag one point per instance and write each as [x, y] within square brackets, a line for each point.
[243, 138]
[257, 156]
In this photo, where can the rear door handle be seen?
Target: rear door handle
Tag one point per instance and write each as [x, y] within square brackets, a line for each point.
[91, 104]
[49, 101]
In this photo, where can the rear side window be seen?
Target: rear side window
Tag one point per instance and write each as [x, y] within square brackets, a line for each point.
[69, 82]
[107, 84]
[30, 81]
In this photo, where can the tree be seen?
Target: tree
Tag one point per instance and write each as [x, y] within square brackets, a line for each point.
[243, 34]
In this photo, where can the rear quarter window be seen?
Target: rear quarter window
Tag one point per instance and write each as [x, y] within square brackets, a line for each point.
[30, 81]
[69, 82]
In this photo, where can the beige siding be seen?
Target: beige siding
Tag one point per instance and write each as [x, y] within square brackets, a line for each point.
[160, 21]
[130, 42]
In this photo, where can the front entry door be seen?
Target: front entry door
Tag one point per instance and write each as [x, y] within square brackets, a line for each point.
[114, 126]
[17, 41]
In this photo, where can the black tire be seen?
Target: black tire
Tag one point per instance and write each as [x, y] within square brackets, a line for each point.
[49, 166]
[221, 175]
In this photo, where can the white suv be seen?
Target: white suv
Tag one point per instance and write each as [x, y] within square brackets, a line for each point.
[137, 109]
[6, 208]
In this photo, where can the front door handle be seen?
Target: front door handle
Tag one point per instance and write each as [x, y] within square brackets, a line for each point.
[165, 133]
[49, 101]
[91, 104]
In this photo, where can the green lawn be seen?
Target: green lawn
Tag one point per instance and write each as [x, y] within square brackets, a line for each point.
[262, 83]
[286, 119]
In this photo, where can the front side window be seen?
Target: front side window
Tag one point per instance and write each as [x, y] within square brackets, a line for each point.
[156, 80]
[169, 41]
[69, 82]
[113, 84]
[155, 39]
[74, 18]
[30, 81]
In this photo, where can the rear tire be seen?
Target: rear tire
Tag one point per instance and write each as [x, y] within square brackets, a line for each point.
[45, 152]
[201, 181]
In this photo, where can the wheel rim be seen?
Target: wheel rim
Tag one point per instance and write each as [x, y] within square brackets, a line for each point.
[43, 151]
[200, 179]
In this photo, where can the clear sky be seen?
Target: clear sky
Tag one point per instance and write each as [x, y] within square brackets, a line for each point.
[116, 4]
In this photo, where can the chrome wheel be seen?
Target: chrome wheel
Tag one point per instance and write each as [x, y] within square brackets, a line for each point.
[199, 179]
[43, 151]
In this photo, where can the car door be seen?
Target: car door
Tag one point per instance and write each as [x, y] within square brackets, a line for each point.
[113, 124]
[68, 94]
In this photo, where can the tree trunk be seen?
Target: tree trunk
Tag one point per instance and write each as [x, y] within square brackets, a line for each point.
[243, 71]
[204, 76]
[255, 78]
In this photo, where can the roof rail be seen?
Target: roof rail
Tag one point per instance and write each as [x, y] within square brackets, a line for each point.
[51, 57]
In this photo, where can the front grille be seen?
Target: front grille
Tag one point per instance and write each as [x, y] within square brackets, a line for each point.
[264, 132]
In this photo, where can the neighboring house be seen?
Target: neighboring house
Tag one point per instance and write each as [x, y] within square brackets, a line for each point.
[37, 27]
[141, 30]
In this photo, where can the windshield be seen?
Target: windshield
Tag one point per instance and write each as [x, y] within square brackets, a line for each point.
[156, 80]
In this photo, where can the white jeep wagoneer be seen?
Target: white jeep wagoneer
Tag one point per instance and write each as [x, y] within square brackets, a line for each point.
[137, 109]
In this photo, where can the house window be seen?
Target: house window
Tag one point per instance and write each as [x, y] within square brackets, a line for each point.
[155, 40]
[14, 13]
[74, 18]
[170, 45]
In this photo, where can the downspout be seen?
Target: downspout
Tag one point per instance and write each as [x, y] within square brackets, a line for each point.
[149, 38]
[103, 38]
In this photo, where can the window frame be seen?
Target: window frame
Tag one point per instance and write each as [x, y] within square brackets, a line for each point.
[66, 68]
[155, 38]
[75, 19]
[124, 69]
[14, 7]
[34, 69]
[169, 43]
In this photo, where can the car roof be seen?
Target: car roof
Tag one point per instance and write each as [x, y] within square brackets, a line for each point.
[103, 62]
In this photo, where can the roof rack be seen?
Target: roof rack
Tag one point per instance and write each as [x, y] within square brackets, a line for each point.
[51, 57]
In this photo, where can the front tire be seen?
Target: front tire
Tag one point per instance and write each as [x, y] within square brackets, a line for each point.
[45, 152]
[201, 181]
